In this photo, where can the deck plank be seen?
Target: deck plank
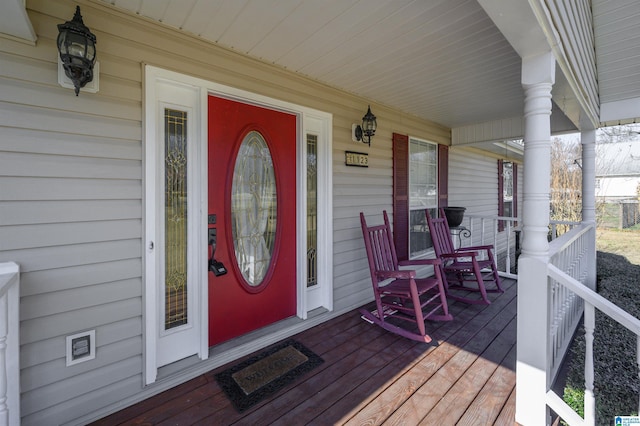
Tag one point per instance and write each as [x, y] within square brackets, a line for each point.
[371, 376]
[376, 383]
[459, 367]
[327, 389]
[395, 395]
[223, 412]
[326, 399]
[466, 389]
[508, 413]
[490, 401]
[159, 407]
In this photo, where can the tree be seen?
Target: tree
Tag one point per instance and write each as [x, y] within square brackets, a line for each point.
[566, 169]
[614, 134]
[566, 179]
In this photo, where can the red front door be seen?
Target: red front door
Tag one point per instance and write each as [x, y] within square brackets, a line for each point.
[252, 207]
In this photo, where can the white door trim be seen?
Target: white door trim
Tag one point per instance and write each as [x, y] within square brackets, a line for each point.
[161, 347]
[308, 121]
[320, 295]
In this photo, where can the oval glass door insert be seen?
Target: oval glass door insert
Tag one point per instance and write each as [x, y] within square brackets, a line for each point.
[253, 208]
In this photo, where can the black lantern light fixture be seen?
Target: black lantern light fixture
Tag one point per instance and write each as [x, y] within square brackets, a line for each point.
[368, 129]
[77, 47]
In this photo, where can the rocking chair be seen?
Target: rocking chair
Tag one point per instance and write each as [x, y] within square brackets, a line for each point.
[398, 293]
[463, 265]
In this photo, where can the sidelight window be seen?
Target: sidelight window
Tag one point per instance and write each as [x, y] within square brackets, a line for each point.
[175, 217]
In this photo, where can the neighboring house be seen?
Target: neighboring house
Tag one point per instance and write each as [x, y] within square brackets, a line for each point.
[618, 171]
[113, 202]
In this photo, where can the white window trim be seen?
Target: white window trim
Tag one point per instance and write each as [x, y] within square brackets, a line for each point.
[428, 252]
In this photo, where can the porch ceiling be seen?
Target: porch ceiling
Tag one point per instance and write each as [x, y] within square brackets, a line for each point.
[441, 60]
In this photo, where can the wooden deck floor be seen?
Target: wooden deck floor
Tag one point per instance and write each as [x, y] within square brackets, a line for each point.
[371, 376]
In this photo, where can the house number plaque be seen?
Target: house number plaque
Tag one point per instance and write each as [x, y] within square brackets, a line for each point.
[357, 159]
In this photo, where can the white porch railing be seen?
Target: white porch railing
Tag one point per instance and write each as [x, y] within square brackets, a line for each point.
[592, 301]
[483, 230]
[570, 292]
[573, 253]
[560, 227]
[9, 344]
[571, 285]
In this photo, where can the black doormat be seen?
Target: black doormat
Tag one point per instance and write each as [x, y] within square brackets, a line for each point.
[250, 381]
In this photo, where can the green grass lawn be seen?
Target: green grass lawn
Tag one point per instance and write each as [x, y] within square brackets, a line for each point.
[625, 242]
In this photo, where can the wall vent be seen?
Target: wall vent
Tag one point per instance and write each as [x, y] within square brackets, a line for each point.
[81, 347]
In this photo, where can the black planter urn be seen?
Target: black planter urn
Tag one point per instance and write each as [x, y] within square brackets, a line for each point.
[454, 215]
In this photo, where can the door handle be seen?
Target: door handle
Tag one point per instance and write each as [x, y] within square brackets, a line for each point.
[214, 266]
[212, 237]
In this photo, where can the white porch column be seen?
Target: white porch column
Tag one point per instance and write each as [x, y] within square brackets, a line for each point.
[538, 76]
[588, 139]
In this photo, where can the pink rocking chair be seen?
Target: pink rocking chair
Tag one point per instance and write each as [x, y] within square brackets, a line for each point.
[463, 265]
[398, 293]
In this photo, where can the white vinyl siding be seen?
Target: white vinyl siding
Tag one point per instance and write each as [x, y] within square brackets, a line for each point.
[573, 21]
[473, 181]
[71, 214]
[71, 196]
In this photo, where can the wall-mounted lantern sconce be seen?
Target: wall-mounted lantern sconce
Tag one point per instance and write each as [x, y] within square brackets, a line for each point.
[77, 47]
[367, 130]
